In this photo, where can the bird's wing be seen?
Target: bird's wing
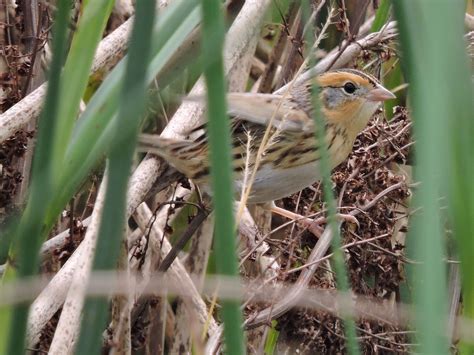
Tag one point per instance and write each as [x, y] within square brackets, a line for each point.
[265, 108]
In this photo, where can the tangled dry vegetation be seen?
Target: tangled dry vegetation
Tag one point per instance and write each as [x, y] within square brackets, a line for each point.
[375, 173]
[374, 184]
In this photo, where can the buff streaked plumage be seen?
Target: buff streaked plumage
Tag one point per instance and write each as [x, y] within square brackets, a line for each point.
[290, 162]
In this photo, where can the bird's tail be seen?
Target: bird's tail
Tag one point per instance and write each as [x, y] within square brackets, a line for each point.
[153, 143]
[174, 151]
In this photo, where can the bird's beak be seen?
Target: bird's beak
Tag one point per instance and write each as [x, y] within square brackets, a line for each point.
[380, 94]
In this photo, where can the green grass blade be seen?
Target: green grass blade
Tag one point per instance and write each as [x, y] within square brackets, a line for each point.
[28, 235]
[132, 106]
[381, 16]
[272, 339]
[89, 31]
[394, 77]
[391, 79]
[336, 242]
[221, 169]
[325, 171]
[442, 100]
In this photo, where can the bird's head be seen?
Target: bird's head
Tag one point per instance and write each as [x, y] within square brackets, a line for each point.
[350, 97]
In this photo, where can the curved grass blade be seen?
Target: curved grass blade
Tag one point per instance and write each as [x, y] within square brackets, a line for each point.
[95, 129]
[89, 32]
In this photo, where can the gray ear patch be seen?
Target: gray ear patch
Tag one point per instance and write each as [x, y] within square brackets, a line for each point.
[333, 97]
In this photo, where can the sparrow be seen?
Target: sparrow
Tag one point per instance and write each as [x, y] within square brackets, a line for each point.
[291, 158]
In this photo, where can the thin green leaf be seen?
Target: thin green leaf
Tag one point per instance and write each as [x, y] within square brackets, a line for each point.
[325, 171]
[272, 339]
[381, 16]
[213, 32]
[393, 79]
[89, 31]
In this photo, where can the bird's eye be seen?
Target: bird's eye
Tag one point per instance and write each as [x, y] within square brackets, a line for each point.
[349, 87]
